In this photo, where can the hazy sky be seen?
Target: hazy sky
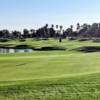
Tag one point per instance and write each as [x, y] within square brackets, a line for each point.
[19, 14]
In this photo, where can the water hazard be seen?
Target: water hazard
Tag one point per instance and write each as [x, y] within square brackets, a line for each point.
[14, 50]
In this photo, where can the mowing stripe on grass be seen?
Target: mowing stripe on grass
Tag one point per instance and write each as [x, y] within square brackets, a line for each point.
[25, 57]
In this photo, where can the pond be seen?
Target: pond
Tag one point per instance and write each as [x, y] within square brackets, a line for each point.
[29, 49]
[13, 50]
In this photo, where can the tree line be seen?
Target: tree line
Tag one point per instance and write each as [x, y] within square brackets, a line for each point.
[57, 31]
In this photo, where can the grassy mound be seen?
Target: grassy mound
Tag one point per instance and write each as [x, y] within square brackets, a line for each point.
[23, 46]
[88, 49]
[84, 39]
[96, 40]
[50, 48]
[22, 40]
[72, 38]
[4, 40]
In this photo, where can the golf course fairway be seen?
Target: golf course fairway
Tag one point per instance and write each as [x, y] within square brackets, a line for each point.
[51, 75]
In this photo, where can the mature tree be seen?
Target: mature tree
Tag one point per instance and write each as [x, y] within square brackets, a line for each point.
[52, 31]
[33, 33]
[26, 33]
[16, 34]
[4, 33]
[69, 31]
[1, 34]
[43, 32]
[94, 30]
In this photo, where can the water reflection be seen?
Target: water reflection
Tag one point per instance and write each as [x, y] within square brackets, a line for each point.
[12, 50]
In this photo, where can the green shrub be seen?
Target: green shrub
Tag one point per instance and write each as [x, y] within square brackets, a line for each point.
[4, 40]
[22, 40]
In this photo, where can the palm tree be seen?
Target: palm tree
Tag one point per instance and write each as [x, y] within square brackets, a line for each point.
[78, 26]
[56, 31]
[45, 29]
[61, 29]
[52, 26]
[57, 26]
[61, 32]
[71, 26]
[46, 25]
[52, 31]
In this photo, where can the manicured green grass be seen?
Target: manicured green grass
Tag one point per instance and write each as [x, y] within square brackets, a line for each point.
[56, 75]
[52, 42]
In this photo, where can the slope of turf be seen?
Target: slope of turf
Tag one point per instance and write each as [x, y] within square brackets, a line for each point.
[51, 42]
[57, 75]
